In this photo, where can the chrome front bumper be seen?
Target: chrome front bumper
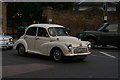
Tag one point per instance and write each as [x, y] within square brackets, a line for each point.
[79, 54]
[78, 51]
[6, 44]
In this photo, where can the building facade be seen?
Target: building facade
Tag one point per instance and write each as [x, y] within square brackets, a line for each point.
[3, 17]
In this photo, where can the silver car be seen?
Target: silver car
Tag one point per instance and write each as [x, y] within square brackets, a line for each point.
[6, 41]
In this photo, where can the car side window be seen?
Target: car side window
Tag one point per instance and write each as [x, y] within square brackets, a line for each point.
[112, 27]
[31, 31]
[42, 32]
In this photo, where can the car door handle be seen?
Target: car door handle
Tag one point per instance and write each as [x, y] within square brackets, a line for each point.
[37, 38]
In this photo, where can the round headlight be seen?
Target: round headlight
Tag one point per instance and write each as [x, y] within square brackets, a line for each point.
[10, 39]
[69, 46]
[89, 46]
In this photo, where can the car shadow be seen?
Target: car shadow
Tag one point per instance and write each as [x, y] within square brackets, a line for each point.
[48, 58]
[4, 49]
[31, 55]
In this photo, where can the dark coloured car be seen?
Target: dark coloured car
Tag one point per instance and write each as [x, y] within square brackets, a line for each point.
[107, 34]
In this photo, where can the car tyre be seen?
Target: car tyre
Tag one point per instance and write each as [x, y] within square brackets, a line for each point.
[57, 55]
[21, 50]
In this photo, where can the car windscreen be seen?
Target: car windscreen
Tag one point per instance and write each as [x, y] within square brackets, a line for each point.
[103, 26]
[58, 31]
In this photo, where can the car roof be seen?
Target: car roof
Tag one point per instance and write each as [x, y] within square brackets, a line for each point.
[45, 25]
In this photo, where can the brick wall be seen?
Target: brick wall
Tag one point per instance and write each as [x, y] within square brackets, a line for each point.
[0, 17]
[78, 21]
[3, 17]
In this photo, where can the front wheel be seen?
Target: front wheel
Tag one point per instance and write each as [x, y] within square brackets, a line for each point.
[57, 55]
[21, 50]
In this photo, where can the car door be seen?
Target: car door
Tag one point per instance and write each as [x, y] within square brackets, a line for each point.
[30, 38]
[110, 36]
[41, 40]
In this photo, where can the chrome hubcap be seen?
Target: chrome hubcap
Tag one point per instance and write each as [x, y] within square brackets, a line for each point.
[21, 50]
[57, 55]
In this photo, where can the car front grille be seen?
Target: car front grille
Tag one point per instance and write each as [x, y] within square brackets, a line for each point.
[3, 41]
[80, 50]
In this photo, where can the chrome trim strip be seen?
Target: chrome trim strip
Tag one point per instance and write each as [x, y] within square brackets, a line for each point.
[80, 54]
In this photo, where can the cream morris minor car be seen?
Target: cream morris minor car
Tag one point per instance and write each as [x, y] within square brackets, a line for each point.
[51, 40]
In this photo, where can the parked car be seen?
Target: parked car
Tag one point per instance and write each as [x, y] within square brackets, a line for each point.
[6, 41]
[107, 34]
[51, 40]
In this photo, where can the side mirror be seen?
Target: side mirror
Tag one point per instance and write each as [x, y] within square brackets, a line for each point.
[106, 30]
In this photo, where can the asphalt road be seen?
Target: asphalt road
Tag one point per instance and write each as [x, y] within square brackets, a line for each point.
[102, 63]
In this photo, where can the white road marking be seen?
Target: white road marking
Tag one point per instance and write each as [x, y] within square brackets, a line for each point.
[107, 54]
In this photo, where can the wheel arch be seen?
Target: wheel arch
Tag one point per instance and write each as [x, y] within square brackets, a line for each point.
[19, 45]
[21, 42]
[91, 37]
[59, 45]
[54, 49]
